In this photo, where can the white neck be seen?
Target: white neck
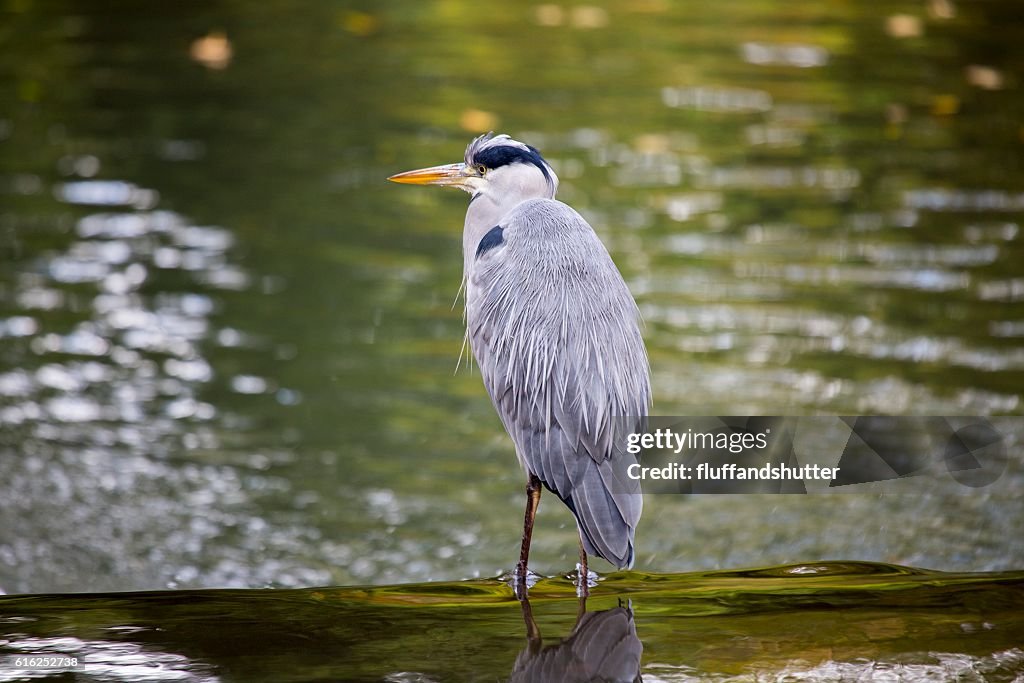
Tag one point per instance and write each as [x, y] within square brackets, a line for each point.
[506, 188]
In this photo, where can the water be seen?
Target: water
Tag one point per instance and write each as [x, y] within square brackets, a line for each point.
[228, 347]
[822, 622]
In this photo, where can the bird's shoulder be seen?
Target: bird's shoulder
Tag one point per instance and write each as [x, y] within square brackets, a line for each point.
[545, 218]
[540, 240]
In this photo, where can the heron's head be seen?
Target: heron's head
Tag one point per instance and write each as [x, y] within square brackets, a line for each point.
[494, 165]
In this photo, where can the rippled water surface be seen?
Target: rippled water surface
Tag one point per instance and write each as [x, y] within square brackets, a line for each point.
[228, 347]
[821, 622]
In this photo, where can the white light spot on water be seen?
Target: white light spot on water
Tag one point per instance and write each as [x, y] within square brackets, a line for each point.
[249, 384]
[74, 409]
[197, 370]
[798, 55]
[707, 98]
[106, 193]
[18, 326]
[230, 337]
[15, 383]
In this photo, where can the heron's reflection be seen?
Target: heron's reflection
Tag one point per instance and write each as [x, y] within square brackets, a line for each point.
[603, 646]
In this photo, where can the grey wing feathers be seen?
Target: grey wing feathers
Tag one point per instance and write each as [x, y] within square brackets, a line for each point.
[555, 332]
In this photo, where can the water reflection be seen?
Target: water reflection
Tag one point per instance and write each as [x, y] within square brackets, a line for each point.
[942, 666]
[819, 621]
[603, 646]
[106, 660]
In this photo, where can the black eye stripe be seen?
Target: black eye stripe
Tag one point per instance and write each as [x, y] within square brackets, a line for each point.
[503, 155]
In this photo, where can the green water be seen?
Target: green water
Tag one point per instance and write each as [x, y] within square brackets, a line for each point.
[824, 622]
[228, 347]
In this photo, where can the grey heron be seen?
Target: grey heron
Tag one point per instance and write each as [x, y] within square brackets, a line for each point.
[555, 332]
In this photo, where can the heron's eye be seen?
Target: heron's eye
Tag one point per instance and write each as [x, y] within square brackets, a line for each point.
[481, 169]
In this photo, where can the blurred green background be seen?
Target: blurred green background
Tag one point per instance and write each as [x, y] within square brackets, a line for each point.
[228, 347]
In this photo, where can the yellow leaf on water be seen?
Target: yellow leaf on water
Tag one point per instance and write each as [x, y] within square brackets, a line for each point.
[212, 50]
[478, 120]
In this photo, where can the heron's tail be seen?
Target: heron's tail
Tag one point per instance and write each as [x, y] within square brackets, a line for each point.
[607, 506]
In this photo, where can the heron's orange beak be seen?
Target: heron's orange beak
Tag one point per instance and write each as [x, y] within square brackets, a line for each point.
[449, 174]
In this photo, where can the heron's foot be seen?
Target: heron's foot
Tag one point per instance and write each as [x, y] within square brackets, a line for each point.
[583, 582]
[520, 580]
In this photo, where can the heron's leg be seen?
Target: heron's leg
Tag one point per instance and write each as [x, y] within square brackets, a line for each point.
[532, 501]
[532, 630]
[581, 608]
[583, 586]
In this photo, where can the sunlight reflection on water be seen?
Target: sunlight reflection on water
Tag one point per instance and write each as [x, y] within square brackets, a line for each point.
[102, 424]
